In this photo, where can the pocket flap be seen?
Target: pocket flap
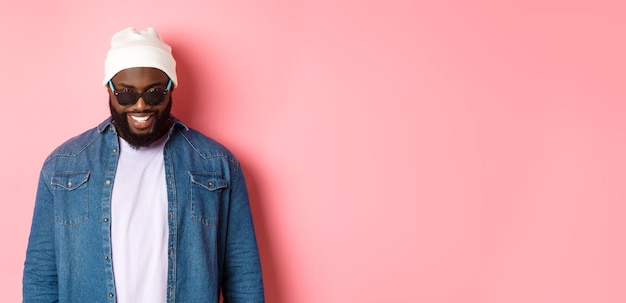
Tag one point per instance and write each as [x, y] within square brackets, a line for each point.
[210, 181]
[70, 180]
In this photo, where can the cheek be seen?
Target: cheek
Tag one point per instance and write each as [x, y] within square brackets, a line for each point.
[116, 110]
[165, 106]
[116, 107]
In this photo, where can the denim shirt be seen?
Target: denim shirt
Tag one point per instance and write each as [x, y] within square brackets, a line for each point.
[211, 242]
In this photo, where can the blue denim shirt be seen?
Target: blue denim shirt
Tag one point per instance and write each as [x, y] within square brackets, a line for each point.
[212, 245]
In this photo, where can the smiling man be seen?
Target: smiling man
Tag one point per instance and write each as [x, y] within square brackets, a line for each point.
[141, 208]
[141, 123]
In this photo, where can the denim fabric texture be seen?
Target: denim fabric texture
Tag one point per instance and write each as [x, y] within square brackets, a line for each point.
[212, 244]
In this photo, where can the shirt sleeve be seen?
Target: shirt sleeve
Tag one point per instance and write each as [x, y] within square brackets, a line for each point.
[243, 280]
[40, 282]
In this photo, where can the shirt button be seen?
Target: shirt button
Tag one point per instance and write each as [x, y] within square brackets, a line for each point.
[107, 182]
[69, 183]
[114, 150]
[106, 257]
[110, 295]
[105, 219]
[210, 183]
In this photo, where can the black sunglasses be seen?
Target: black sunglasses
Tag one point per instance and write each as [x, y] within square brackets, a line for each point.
[152, 97]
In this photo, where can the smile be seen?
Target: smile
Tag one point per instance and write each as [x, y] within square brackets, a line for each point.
[141, 118]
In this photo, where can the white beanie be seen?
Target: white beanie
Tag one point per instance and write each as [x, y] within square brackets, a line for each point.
[130, 48]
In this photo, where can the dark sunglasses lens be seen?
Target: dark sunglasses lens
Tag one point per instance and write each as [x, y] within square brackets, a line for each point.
[126, 98]
[154, 98]
[130, 98]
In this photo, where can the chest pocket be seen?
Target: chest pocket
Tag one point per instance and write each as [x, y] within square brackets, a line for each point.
[206, 194]
[71, 197]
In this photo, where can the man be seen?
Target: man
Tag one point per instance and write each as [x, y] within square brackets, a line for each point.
[141, 208]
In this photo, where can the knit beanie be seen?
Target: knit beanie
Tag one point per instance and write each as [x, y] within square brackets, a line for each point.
[132, 48]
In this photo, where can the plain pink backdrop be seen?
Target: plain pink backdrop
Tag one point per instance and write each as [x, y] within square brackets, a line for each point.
[396, 151]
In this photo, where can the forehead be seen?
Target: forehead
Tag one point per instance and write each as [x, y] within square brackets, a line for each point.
[140, 74]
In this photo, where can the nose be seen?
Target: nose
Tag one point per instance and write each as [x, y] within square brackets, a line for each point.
[141, 104]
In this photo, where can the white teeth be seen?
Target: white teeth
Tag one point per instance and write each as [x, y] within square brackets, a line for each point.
[140, 119]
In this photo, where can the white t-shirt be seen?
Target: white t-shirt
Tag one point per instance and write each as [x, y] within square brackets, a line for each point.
[139, 230]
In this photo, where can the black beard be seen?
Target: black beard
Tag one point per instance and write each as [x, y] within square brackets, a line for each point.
[162, 125]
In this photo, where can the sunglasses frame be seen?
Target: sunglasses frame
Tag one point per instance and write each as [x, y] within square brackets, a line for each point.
[137, 95]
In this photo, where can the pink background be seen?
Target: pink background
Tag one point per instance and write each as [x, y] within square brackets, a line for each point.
[396, 151]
